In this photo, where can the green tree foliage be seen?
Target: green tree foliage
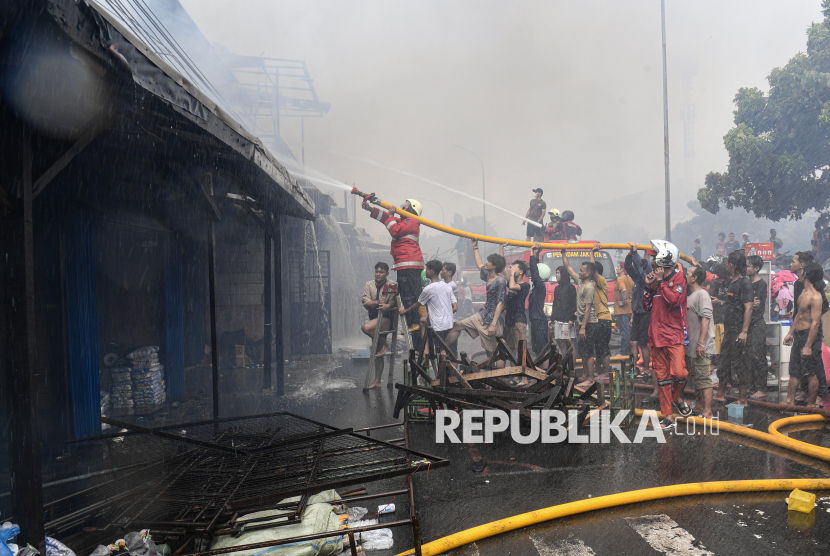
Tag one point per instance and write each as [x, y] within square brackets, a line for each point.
[779, 149]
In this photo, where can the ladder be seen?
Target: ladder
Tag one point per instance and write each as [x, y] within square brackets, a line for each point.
[397, 322]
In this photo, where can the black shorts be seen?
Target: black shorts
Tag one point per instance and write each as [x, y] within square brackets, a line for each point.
[602, 338]
[639, 328]
[734, 361]
[442, 333]
[801, 366]
[373, 314]
[534, 231]
[586, 347]
[409, 286]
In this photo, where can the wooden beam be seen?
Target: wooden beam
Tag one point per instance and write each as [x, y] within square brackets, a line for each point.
[456, 375]
[477, 393]
[494, 373]
[86, 138]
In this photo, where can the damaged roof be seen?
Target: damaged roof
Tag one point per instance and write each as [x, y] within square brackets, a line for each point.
[130, 35]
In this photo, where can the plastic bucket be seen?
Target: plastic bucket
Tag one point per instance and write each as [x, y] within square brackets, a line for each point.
[736, 411]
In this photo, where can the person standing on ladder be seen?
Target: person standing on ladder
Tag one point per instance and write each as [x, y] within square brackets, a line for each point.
[380, 306]
[406, 252]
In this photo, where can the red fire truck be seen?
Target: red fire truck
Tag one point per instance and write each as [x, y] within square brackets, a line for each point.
[553, 258]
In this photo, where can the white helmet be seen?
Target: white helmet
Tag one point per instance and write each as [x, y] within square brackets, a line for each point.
[417, 208]
[665, 253]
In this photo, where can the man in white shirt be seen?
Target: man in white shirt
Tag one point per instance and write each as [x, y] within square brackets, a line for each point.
[439, 300]
[447, 273]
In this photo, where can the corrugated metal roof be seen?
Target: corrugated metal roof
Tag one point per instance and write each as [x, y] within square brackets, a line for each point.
[138, 22]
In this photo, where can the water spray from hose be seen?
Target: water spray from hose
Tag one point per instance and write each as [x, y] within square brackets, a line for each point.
[433, 182]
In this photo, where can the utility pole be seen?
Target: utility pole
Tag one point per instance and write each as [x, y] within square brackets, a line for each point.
[483, 197]
[666, 123]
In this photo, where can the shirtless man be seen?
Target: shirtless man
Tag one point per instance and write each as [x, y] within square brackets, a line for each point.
[805, 336]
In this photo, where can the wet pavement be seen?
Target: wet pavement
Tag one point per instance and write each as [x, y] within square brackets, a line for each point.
[517, 478]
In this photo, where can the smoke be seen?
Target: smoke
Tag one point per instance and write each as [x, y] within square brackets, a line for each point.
[559, 95]
[433, 182]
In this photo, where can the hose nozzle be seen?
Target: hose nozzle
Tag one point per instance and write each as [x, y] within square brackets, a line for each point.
[368, 197]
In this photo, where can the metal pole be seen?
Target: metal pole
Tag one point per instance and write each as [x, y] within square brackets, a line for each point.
[302, 140]
[666, 123]
[24, 432]
[268, 330]
[443, 220]
[276, 316]
[483, 190]
[277, 95]
[214, 339]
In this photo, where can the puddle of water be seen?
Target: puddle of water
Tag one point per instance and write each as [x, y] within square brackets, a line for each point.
[318, 385]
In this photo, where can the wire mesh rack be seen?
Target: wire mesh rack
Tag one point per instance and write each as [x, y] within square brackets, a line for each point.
[210, 473]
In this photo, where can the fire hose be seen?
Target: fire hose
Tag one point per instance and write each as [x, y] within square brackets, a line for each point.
[493, 528]
[372, 198]
[774, 437]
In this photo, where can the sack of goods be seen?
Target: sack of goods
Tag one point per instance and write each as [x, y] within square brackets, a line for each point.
[151, 362]
[143, 353]
[148, 386]
[121, 394]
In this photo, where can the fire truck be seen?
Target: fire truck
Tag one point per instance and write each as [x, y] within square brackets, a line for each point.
[553, 258]
[470, 276]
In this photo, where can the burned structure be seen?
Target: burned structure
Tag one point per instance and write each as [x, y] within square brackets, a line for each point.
[150, 243]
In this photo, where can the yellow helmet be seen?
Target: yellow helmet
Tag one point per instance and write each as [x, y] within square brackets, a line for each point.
[554, 213]
[416, 206]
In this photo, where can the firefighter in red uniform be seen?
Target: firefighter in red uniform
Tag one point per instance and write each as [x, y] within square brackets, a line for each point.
[406, 252]
[562, 227]
[665, 297]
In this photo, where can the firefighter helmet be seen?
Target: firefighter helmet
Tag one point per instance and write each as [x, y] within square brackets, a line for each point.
[417, 208]
[665, 253]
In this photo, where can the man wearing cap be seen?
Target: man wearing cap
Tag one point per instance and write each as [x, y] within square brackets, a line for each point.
[746, 239]
[536, 213]
[406, 252]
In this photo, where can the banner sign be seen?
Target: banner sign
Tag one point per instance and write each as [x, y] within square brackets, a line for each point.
[763, 250]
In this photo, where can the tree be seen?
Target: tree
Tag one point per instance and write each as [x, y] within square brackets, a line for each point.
[779, 149]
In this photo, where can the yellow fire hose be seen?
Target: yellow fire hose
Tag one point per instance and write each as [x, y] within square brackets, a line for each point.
[516, 242]
[657, 493]
[796, 419]
[774, 437]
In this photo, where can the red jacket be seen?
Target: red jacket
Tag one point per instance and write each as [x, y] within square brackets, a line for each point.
[666, 300]
[562, 231]
[405, 248]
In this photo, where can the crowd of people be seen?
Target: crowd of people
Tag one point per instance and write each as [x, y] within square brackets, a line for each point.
[679, 322]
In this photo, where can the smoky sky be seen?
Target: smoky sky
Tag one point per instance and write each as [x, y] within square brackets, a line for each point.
[566, 96]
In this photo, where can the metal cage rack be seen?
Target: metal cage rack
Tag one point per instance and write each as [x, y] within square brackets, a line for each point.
[210, 473]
